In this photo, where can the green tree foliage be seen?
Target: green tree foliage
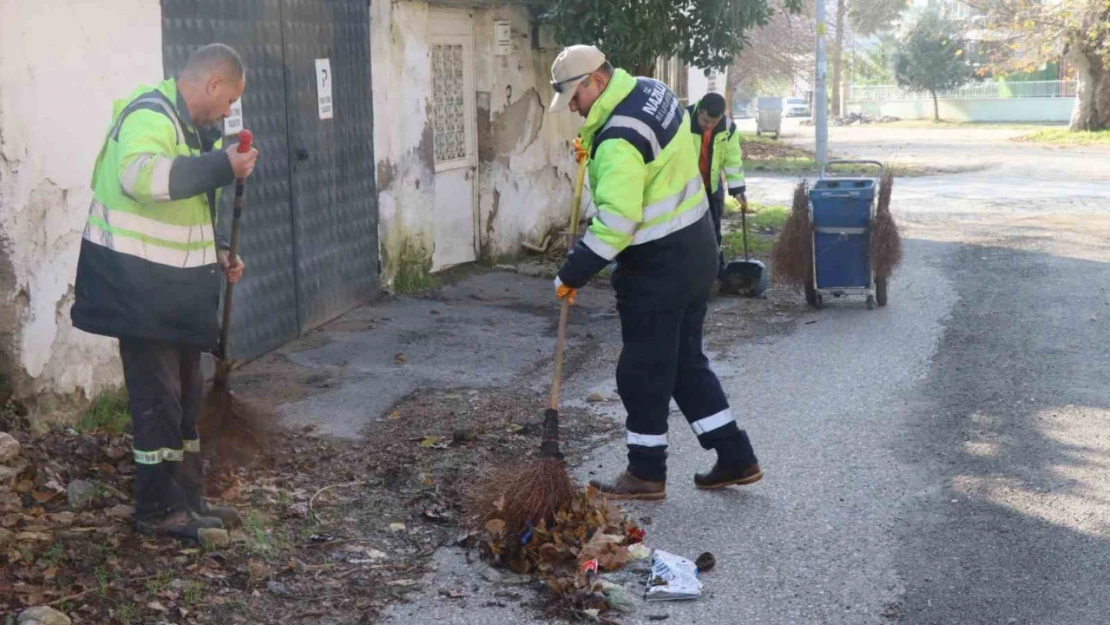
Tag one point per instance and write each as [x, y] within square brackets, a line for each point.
[1035, 31]
[634, 33]
[931, 58]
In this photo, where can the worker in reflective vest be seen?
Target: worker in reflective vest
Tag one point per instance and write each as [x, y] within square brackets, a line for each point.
[149, 273]
[653, 220]
[717, 142]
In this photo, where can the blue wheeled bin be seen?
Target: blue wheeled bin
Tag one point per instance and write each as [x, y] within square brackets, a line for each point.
[842, 211]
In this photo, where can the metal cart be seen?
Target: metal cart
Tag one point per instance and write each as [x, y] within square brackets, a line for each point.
[768, 115]
[842, 211]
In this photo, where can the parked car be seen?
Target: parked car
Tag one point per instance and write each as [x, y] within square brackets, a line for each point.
[796, 107]
[740, 110]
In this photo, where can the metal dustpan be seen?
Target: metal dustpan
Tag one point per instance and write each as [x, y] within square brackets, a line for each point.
[744, 277]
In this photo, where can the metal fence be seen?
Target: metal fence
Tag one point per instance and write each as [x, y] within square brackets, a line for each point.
[982, 90]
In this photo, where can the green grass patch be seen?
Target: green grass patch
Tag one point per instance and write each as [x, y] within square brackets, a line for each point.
[160, 583]
[808, 165]
[107, 413]
[768, 217]
[414, 271]
[751, 137]
[956, 125]
[260, 537]
[194, 593]
[759, 245]
[1063, 136]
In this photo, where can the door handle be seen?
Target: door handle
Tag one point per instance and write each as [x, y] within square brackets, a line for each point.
[302, 154]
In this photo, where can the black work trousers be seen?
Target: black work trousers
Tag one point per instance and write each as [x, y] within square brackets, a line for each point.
[165, 388]
[662, 358]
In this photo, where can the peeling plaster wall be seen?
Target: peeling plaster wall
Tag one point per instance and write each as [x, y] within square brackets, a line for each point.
[62, 63]
[526, 165]
[402, 86]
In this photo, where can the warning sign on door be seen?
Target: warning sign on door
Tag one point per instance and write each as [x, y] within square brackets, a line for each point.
[323, 87]
[233, 123]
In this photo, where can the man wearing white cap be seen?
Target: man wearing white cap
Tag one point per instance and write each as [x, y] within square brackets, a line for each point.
[653, 220]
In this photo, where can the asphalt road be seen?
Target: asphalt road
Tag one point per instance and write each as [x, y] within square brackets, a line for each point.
[940, 461]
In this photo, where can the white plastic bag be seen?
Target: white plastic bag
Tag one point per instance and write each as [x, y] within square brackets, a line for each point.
[673, 578]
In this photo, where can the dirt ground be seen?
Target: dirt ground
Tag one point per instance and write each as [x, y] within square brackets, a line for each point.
[336, 527]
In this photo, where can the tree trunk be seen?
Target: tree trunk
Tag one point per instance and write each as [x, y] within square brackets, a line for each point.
[732, 84]
[838, 58]
[1092, 97]
[936, 107]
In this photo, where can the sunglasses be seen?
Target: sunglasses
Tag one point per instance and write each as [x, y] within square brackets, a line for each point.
[559, 86]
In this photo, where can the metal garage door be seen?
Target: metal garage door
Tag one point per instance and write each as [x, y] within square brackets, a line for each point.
[310, 223]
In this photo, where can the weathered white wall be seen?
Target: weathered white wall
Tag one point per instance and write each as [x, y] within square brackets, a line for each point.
[62, 63]
[525, 165]
[699, 83]
[402, 85]
[527, 169]
[972, 109]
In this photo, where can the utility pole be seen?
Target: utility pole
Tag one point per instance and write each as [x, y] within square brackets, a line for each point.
[821, 92]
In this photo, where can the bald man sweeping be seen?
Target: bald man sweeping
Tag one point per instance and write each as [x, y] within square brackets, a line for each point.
[149, 273]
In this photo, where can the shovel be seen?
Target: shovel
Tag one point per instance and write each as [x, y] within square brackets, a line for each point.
[745, 277]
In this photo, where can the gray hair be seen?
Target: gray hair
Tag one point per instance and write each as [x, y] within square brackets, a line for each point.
[212, 58]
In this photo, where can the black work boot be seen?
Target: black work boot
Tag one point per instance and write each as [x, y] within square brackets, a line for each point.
[723, 474]
[192, 479]
[628, 486]
[182, 525]
[736, 464]
[160, 505]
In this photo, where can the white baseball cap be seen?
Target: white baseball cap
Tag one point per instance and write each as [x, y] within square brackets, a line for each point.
[571, 67]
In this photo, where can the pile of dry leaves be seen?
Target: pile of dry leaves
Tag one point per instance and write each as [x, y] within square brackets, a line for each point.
[66, 540]
[568, 554]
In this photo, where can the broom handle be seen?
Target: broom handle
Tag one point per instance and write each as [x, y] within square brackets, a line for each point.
[744, 227]
[564, 310]
[245, 140]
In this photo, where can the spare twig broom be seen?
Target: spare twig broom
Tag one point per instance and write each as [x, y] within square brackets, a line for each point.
[522, 495]
[792, 255]
[232, 429]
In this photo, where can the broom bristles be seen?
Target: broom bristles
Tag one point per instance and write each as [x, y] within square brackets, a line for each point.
[234, 430]
[792, 255]
[521, 494]
[886, 243]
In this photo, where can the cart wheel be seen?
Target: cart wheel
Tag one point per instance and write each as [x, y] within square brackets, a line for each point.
[819, 302]
[870, 302]
[811, 295]
[880, 291]
[758, 132]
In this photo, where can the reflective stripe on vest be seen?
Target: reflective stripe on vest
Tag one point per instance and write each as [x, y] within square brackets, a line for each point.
[669, 205]
[155, 101]
[159, 176]
[641, 128]
[658, 231]
[646, 233]
[162, 243]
